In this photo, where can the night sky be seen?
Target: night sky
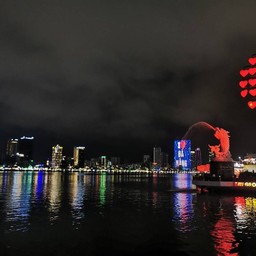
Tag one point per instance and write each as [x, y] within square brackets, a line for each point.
[119, 77]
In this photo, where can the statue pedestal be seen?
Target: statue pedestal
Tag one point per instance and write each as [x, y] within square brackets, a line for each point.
[223, 170]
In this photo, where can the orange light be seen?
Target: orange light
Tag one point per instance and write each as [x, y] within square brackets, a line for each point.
[203, 168]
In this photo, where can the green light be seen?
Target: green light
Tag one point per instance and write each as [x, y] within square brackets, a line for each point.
[102, 188]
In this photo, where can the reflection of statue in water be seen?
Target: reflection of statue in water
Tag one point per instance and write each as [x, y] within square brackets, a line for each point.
[221, 151]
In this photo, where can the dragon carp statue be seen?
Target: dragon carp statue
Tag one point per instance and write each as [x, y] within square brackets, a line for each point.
[221, 151]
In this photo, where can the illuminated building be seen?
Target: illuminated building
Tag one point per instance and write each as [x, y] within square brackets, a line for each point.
[79, 154]
[103, 161]
[146, 159]
[94, 162]
[11, 151]
[164, 159]
[25, 147]
[56, 156]
[115, 160]
[12, 147]
[249, 163]
[67, 162]
[196, 158]
[47, 163]
[250, 159]
[182, 154]
[210, 156]
[193, 160]
[157, 156]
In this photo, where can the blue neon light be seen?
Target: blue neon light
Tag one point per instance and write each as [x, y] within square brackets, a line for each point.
[182, 154]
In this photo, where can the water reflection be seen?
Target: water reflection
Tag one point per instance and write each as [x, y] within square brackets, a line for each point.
[223, 234]
[182, 181]
[245, 215]
[18, 203]
[102, 189]
[183, 203]
[54, 193]
[3, 181]
[77, 191]
[208, 224]
[38, 187]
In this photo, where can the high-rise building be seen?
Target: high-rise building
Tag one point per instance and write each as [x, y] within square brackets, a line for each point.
[94, 162]
[56, 156]
[146, 162]
[210, 155]
[79, 157]
[67, 162]
[11, 151]
[146, 159]
[157, 156]
[115, 160]
[164, 159]
[12, 147]
[193, 158]
[182, 154]
[25, 149]
[198, 157]
[103, 161]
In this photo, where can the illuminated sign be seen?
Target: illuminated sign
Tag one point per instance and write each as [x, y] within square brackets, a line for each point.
[248, 82]
[26, 138]
[245, 184]
[82, 148]
[182, 154]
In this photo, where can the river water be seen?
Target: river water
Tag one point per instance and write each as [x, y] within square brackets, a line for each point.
[85, 214]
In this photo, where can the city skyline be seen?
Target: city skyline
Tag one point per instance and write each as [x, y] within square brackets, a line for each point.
[20, 152]
[127, 127]
[14, 150]
[124, 74]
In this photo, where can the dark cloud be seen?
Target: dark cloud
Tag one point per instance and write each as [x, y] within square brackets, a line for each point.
[124, 72]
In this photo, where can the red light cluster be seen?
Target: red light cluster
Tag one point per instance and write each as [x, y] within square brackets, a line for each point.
[248, 82]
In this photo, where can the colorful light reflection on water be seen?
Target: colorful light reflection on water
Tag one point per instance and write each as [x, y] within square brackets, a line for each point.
[129, 209]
